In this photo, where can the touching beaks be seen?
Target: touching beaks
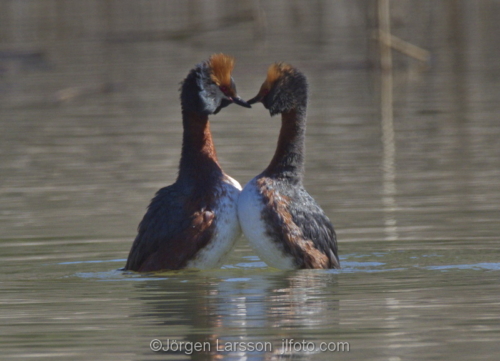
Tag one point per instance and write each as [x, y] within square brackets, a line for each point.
[239, 101]
[255, 99]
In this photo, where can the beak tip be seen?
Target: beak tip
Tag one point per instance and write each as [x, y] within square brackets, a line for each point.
[241, 102]
[254, 100]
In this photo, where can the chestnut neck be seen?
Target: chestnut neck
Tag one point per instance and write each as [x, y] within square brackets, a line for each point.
[288, 160]
[199, 164]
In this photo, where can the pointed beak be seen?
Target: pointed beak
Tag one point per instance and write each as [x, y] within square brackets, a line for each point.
[255, 99]
[239, 101]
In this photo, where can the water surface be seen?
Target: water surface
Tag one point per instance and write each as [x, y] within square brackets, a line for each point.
[91, 129]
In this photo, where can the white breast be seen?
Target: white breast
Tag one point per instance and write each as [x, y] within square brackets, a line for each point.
[227, 228]
[250, 207]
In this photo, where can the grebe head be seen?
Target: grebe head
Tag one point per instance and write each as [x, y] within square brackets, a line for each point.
[284, 89]
[209, 87]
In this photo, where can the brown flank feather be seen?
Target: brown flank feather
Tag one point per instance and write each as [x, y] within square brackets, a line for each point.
[181, 249]
[221, 65]
[285, 232]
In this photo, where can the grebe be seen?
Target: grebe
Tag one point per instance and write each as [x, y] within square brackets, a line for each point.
[283, 223]
[193, 223]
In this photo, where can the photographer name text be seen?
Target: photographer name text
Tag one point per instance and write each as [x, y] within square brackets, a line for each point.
[288, 345]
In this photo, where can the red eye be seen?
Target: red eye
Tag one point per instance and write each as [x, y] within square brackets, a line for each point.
[223, 89]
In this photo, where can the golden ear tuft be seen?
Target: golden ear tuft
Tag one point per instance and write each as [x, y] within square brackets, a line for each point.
[276, 71]
[221, 65]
